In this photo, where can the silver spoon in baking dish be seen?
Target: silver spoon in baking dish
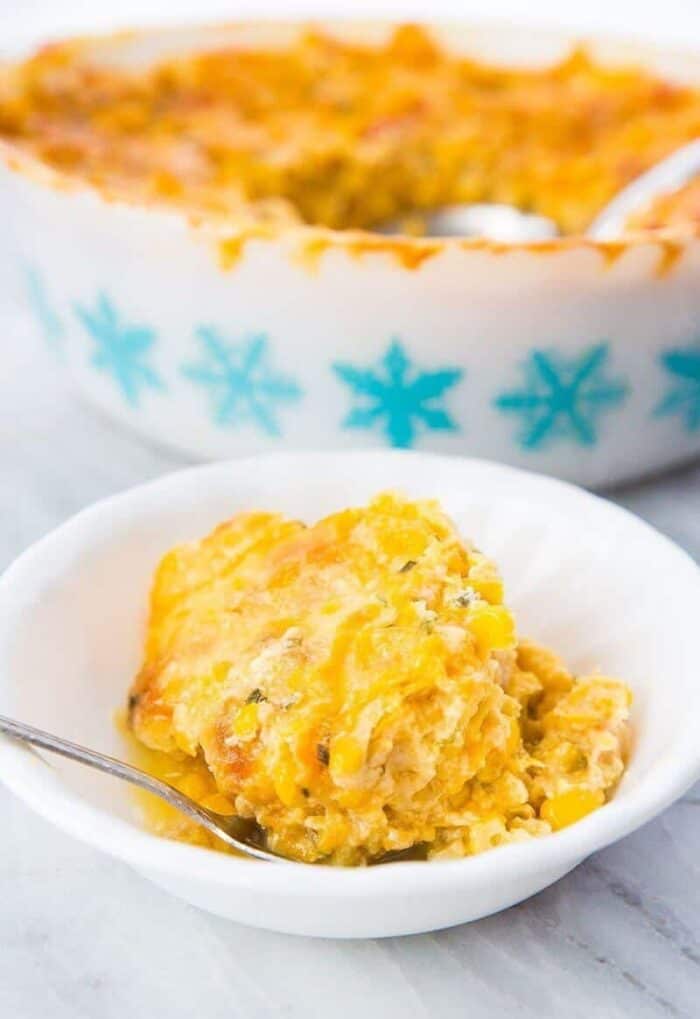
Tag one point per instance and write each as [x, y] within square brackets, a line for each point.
[507, 224]
[242, 834]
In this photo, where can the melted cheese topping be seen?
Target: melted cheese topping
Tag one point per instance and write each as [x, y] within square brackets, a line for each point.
[357, 687]
[345, 135]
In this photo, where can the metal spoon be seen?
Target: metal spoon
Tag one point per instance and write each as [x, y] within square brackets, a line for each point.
[671, 173]
[491, 220]
[244, 835]
[507, 224]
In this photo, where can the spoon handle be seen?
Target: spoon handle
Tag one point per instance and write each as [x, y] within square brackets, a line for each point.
[222, 827]
[102, 762]
[671, 173]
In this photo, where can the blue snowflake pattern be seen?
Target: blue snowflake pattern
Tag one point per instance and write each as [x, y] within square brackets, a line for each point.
[563, 397]
[683, 364]
[121, 350]
[46, 316]
[398, 397]
[240, 381]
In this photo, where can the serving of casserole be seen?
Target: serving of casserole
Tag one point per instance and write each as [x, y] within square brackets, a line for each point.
[357, 688]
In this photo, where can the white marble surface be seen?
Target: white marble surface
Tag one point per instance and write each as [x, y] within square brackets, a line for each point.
[82, 936]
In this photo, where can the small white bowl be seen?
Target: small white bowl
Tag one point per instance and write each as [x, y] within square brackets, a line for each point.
[584, 576]
[574, 357]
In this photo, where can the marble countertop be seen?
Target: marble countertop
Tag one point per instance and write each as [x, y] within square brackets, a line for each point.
[83, 936]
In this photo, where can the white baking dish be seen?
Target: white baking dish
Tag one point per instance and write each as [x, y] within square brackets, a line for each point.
[571, 357]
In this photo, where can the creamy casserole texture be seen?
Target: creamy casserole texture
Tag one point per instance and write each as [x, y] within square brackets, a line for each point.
[358, 687]
[345, 135]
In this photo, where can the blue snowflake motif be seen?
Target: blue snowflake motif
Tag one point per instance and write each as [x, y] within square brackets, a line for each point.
[683, 364]
[240, 381]
[51, 324]
[563, 397]
[395, 395]
[121, 349]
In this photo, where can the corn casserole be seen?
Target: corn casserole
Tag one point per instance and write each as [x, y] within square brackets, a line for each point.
[357, 687]
[345, 134]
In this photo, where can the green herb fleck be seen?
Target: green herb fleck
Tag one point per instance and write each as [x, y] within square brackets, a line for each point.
[255, 696]
[408, 565]
[322, 753]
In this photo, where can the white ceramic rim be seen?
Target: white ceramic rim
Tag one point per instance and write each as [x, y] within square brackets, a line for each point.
[30, 778]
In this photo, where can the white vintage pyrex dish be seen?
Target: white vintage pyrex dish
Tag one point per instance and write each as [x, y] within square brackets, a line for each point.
[582, 575]
[572, 357]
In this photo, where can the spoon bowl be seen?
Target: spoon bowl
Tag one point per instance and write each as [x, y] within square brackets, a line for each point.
[240, 833]
[506, 224]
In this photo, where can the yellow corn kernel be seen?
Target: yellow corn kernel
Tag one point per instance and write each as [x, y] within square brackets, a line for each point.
[353, 799]
[492, 627]
[184, 742]
[571, 806]
[220, 671]
[347, 756]
[332, 835]
[219, 803]
[245, 724]
[166, 184]
[489, 587]
[194, 785]
[334, 605]
[286, 787]
[515, 737]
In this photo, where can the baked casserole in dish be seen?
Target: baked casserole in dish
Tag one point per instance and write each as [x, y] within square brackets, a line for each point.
[199, 217]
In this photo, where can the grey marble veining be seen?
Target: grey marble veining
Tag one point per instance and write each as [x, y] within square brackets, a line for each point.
[82, 936]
